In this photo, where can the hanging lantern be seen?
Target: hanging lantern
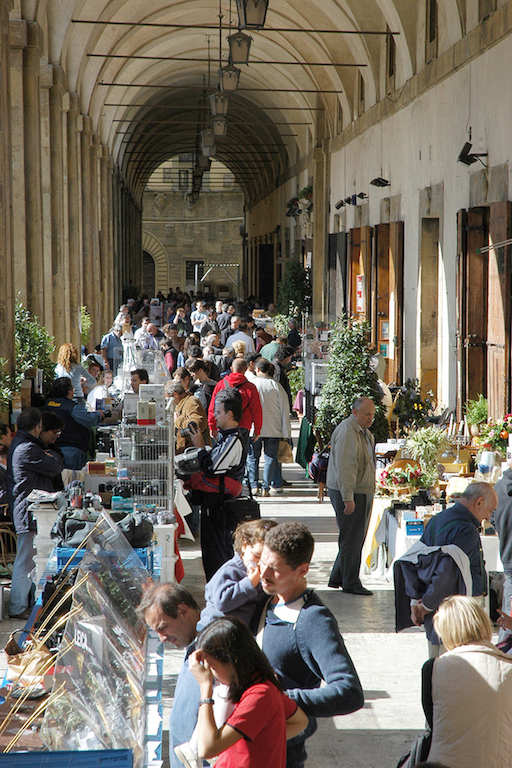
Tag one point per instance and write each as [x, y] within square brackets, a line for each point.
[251, 13]
[209, 151]
[239, 47]
[203, 163]
[219, 103]
[228, 78]
[220, 127]
[207, 138]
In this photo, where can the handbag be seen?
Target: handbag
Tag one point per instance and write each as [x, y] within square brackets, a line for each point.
[417, 752]
[284, 452]
[27, 666]
[240, 510]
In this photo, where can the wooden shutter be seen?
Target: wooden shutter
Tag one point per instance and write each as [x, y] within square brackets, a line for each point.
[472, 282]
[360, 266]
[396, 287]
[380, 315]
[498, 324]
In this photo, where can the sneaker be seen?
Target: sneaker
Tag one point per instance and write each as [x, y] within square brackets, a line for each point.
[265, 492]
[275, 491]
[255, 491]
[187, 756]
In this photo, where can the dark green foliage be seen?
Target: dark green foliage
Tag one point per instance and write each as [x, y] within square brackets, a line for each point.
[350, 376]
[411, 410]
[294, 294]
[33, 346]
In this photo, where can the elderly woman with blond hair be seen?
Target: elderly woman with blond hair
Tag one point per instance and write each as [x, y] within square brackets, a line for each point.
[68, 366]
[467, 692]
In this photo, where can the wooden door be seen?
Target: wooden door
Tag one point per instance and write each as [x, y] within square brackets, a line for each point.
[360, 272]
[396, 299]
[472, 312]
[498, 325]
[380, 309]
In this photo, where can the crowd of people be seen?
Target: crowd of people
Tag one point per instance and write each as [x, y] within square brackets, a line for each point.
[265, 658]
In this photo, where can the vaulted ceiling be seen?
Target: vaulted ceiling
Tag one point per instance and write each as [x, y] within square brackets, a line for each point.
[140, 70]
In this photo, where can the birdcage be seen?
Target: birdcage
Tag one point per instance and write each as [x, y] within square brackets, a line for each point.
[144, 458]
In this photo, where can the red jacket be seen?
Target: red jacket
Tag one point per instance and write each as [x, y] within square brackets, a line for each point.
[250, 403]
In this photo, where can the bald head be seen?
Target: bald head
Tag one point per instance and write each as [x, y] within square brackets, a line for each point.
[152, 329]
[363, 411]
[239, 365]
[481, 499]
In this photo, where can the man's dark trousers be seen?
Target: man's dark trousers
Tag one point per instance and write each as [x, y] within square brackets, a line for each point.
[352, 533]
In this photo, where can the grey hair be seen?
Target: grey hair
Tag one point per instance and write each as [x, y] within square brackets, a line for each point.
[175, 386]
[358, 402]
[475, 491]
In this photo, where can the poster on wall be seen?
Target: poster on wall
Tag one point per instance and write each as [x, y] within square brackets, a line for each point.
[360, 293]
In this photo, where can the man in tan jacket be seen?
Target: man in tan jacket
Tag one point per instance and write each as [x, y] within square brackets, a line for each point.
[351, 483]
[187, 408]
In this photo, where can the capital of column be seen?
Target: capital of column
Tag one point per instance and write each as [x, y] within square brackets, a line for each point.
[17, 33]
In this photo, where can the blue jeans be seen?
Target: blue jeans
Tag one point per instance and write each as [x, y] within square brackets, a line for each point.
[271, 469]
[184, 710]
[74, 458]
[22, 584]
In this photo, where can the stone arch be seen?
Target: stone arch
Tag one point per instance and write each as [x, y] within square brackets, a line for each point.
[155, 248]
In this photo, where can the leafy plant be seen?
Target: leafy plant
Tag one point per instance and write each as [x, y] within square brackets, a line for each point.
[33, 346]
[296, 379]
[349, 376]
[294, 294]
[306, 193]
[281, 324]
[476, 411]
[5, 385]
[494, 435]
[85, 326]
[410, 408]
[426, 446]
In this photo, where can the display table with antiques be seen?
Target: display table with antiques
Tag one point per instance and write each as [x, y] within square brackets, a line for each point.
[88, 678]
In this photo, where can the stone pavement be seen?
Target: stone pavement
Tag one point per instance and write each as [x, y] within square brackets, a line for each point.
[388, 664]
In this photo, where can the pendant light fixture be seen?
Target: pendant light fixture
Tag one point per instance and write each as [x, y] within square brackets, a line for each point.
[239, 48]
[251, 13]
[219, 103]
[220, 126]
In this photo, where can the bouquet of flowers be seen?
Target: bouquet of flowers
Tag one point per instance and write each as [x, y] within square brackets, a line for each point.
[494, 435]
[397, 478]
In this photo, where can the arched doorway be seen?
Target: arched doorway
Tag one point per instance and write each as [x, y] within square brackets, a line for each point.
[148, 274]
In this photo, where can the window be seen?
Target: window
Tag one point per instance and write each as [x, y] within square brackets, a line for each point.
[361, 94]
[167, 175]
[182, 179]
[339, 118]
[190, 270]
[431, 30]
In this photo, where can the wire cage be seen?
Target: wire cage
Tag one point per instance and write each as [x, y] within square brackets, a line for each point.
[144, 458]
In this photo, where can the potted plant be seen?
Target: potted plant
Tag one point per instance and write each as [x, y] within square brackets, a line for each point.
[294, 293]
[494, 436]
[426, 446]
[476, 414]
[350, 375]
[293, 207]
[306, 198]
[411, 410]
[401, 480]
[33, 346]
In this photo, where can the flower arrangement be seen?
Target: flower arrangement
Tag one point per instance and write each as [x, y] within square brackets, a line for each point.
[494, 435]
[395, 478]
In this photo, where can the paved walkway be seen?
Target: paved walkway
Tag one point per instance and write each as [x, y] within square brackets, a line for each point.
[388, 664]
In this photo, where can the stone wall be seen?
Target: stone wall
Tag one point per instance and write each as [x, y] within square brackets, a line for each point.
[175, 232]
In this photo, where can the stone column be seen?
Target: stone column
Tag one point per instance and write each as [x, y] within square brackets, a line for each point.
[33, 191]
[45, 83]
[319, 267]
[73, 196]
[87, 223]
[14, 66]
[106, 309]
[6, 233]
[98, 328]
[57, 207]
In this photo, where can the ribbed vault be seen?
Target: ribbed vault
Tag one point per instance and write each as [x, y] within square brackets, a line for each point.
[142, 84]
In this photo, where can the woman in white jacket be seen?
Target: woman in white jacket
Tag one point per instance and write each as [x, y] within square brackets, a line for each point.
[471, 691]
[275, 427]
